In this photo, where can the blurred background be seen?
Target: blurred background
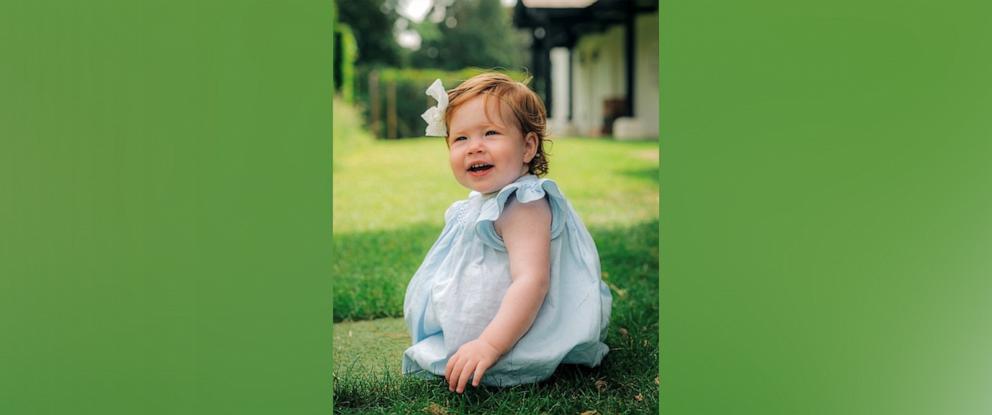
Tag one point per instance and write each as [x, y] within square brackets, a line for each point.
[593, 62]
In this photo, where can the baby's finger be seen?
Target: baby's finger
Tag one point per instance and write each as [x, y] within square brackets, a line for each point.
[465, 373]
[450, 366]
[480, 370]
[456, 371]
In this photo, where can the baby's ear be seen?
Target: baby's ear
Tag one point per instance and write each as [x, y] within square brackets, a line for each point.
[530, 146]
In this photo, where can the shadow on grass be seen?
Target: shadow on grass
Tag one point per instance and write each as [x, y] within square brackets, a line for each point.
[372, 271]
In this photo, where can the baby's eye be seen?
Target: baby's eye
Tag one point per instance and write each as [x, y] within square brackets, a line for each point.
[460, 138]
[492, 132]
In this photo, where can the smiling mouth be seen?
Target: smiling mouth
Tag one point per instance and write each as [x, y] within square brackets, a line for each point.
[478, 167]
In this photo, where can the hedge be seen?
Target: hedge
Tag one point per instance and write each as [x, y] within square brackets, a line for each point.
[393, 99]
[345, 54]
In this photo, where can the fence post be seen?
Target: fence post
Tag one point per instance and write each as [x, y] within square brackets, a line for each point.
[374, 102]
[391, 109]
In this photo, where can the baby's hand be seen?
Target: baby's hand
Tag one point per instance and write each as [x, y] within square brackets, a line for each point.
[472, 359]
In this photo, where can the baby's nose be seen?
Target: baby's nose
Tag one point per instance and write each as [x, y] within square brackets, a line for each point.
[475, 146]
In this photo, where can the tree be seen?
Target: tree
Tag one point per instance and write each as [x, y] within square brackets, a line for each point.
[372, 22]
[471, 33]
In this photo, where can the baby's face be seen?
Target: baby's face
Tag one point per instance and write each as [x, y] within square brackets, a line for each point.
[487, 151]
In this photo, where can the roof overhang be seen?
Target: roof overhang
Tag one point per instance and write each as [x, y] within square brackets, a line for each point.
[565, 20]
[557, 4]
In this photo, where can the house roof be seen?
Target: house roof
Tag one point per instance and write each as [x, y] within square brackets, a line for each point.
[566, 20]
[558, 4]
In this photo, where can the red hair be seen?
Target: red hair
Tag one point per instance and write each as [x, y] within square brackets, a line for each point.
[528, 109]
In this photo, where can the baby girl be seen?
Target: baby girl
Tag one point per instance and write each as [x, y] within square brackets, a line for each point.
[511, 288]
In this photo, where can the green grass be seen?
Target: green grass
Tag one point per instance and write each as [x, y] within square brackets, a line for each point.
[389, 200]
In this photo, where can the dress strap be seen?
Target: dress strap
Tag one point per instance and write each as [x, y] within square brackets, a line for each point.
[525, 191]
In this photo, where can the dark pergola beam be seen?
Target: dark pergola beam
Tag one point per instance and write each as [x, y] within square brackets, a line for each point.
[541, 59]
[571, 81]
[631, 36]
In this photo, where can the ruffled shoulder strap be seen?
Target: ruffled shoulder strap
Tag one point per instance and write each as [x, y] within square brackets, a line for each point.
[525, 190]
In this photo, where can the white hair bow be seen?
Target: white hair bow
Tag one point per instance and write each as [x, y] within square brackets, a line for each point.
[435, 115]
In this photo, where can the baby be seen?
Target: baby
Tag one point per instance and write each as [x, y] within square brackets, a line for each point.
[511, 288]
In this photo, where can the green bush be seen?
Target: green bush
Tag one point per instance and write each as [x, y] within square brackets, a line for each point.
[410, 98]
[345, 54]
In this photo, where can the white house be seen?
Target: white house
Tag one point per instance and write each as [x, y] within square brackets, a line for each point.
[595, 63]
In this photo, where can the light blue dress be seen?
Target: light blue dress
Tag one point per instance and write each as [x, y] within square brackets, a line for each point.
[460, 285]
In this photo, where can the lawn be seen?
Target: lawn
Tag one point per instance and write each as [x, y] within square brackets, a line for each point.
[389, 200]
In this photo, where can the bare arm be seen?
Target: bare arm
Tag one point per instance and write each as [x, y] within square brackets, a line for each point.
[526, 232]
[527, 235]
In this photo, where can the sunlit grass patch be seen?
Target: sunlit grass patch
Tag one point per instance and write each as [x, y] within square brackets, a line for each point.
[390, 184]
